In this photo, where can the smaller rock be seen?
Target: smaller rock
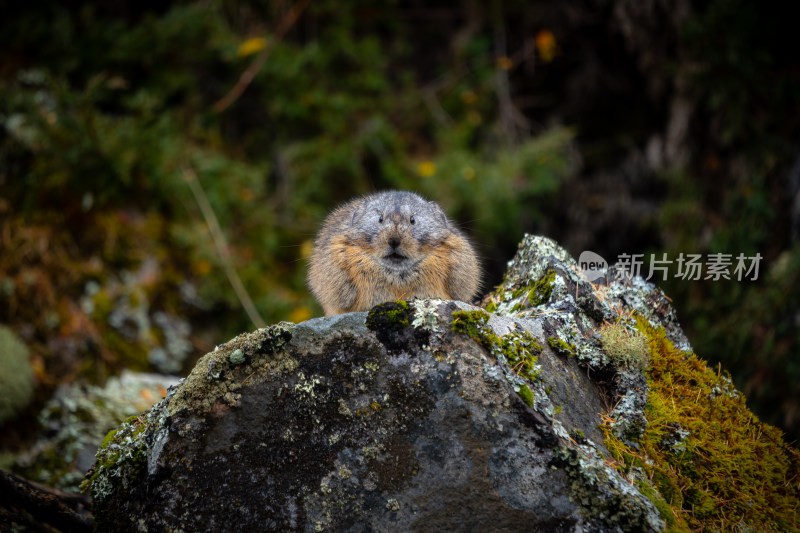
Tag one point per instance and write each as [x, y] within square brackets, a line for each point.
[76, 420]
[16, 375]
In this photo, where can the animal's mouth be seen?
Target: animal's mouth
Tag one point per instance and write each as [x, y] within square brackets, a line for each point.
[396, 260]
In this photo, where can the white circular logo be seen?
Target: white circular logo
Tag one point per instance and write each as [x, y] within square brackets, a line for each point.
[592, 266]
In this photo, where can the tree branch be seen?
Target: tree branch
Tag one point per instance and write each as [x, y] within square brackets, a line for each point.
[248, 75]
[42, 508]
[221, 243]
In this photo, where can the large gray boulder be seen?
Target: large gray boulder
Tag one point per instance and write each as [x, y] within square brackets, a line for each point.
[426, 415]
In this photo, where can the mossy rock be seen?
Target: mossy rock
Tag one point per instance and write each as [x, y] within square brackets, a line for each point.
[16, 375]
[714, 464]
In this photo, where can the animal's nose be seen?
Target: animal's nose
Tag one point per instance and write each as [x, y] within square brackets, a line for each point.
[394, 242]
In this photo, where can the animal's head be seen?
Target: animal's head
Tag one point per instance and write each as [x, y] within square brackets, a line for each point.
[399, 228]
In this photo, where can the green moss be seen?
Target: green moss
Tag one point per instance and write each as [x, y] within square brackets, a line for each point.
[561, 347]
[16, 375]
[716, 465]
[526, 394]
[470, 323]
[398, 313]
[673, 521]
[536, 292]
[519, 349]
[625, 348]
[108, 439]
[112, 456]
[529, 295]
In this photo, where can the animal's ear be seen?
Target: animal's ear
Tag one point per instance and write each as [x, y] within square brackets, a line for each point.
[437, 212]
[357, 213]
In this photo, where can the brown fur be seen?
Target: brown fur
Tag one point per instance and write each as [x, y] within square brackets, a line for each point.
[369, 251]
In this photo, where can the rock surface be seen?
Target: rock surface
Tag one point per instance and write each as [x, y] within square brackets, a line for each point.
[420, 416]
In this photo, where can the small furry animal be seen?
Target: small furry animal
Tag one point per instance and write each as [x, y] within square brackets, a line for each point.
[388, 246]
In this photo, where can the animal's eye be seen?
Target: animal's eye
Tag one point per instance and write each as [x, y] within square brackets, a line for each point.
[380, 219]
[412, 220]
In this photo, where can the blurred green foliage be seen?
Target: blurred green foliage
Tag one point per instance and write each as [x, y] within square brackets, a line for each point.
[735, 199]
[106, 109]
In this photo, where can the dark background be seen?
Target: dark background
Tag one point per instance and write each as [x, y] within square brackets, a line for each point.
[617, 126]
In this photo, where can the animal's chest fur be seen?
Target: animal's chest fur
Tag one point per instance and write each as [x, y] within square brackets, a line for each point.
[374, 284]
[395, 287]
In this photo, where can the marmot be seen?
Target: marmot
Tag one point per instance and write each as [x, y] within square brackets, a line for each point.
[388, 246]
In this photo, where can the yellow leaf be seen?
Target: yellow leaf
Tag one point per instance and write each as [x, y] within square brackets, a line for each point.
[301, 314]
[305, 248]
[504, 63]
[251, 46]
[546, 45]
[246, 194]
[202, 267]
[426, 169]
[469, 97]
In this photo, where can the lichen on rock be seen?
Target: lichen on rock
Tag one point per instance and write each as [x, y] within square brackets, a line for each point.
[392, 426]
[674, 426]
[425, 415]
[626, 347]
[75, 421]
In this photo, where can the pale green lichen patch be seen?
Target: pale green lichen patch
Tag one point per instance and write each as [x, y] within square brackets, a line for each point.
[625, 346]
[627, 420]
[603, 495]
[578, 340]
[305, 386]
[533, 258]
[236, 357]
[426, 313]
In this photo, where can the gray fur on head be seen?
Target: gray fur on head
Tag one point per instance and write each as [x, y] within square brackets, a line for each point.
[407, 211]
